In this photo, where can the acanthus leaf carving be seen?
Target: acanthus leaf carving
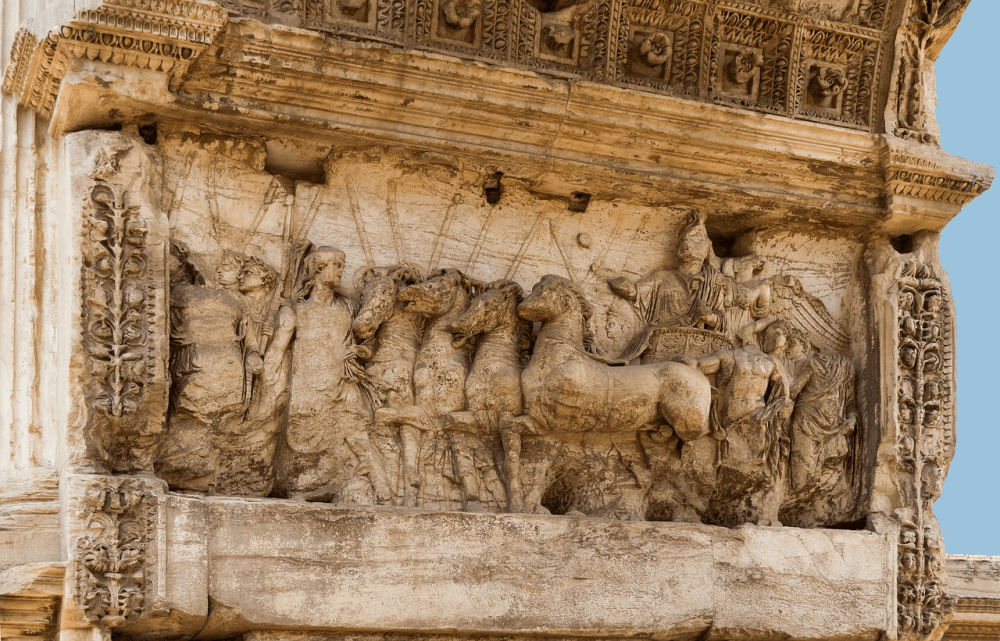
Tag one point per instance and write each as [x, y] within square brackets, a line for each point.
[925, 20]
[113, 569]
[116, 302]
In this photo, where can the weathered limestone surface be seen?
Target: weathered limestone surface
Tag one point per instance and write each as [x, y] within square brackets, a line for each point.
[387, 319]
[974, 583]
[407, 571]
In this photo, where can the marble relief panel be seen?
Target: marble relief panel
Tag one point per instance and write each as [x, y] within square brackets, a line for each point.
[391, 336]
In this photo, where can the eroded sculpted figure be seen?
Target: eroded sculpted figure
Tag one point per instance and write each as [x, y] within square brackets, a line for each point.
[567, 387]
[326, 452]
[394, 334]
[696, 294]
[439, 373]
[822, 432]
[434, 392]
[229, 397]
[753, 406]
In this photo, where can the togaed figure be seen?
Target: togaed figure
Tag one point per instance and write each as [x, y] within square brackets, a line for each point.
[326, 453]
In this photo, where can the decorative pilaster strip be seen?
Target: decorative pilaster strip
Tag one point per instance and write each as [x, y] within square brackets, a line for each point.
[925, 19]
[116, 302]
[113, 567]
[925, 442]
[25, 43]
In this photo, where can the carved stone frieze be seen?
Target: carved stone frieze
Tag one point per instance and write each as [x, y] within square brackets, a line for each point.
[742, 54]
[704, 388]
[114, 562]
[480, 317]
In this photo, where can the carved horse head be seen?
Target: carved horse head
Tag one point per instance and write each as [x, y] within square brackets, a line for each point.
[553, 298]
[443, 291]
[380, 287]
[495, 306]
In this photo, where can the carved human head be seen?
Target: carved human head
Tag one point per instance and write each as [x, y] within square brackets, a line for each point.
[256, 275]
[934, 303]
[179, 267]
[227, 273]
[326, 265]
[776, 336]
[798, 344]
[695, 245]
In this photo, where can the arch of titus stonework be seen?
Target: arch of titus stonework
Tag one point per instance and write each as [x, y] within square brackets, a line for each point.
[329, 320]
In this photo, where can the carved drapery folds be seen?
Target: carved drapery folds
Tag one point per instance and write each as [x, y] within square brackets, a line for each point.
[925, 444]
[113, 568]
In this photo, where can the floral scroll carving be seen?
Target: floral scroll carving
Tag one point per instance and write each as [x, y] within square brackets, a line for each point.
[113, 574]
[117, 307]
[927, 19]
[924, 440]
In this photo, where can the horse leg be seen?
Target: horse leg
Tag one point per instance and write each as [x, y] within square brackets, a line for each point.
[511, 430]
[409, 437]
[460, 427]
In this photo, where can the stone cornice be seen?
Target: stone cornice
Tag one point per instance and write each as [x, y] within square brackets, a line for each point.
[974, 585]
[158, 35]
[245, 76]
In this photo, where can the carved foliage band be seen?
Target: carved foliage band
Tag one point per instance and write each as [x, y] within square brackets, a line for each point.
[925, 441]
[116, 300]
[926, 18]
[112, 568]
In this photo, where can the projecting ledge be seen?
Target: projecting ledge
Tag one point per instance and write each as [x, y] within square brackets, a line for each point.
[273, 565]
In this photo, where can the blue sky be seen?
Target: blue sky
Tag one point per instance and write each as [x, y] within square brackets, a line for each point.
[969, 115]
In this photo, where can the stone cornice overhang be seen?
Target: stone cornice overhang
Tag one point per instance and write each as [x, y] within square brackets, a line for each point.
[559, 134]
[974, 587]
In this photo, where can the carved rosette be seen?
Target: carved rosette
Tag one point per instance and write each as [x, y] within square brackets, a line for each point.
[113, 569]
[925, 441]
[116, 302]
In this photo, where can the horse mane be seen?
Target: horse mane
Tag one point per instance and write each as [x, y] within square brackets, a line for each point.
[406, 274]
[402, 274]
[586, 312]
[472, 286]
[525, 338]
